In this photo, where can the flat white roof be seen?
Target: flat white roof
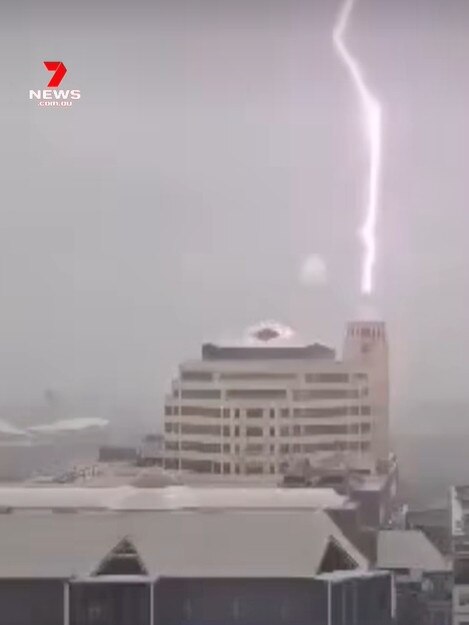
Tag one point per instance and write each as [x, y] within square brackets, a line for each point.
[169, 498]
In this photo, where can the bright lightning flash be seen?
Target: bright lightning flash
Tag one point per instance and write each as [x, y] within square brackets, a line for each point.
[372, 120]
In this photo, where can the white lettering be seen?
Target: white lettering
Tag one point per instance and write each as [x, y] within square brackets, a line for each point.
[58, 97]
[60, 94]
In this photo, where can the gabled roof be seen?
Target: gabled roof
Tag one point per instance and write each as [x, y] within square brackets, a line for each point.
[172, 544]
[408, 549]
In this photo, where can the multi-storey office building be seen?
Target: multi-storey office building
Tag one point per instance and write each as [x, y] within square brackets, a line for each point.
[259, 407]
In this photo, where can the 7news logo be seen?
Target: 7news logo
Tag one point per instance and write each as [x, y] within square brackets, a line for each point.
[52, 96]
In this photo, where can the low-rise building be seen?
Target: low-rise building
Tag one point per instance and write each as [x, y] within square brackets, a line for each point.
[252, 567]
[423, 577]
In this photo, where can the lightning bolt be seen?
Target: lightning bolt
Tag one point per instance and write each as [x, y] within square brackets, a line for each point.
[371, 109]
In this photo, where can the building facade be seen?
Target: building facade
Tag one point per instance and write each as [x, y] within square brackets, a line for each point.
[258, 408]
[186, 568]
[459, 525]
[422, 574]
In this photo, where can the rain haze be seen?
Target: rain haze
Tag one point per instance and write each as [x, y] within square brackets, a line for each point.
[211, 176]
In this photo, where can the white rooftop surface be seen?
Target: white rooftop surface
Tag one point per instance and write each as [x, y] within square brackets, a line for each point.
[8, 429]
[169, 498]
[339, 576]
[70, 425]
[408, 549]
[181, 544]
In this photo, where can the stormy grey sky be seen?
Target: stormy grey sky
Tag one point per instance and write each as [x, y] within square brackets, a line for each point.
[216, 145]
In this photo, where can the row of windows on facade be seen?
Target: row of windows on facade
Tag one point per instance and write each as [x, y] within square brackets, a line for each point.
[259, 413]
[271, 394]
[313, 378]
[367, 333]
[225, 468]
[257, 431]
[261, 449]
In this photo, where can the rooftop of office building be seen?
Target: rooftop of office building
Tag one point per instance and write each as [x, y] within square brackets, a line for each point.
[268, 340]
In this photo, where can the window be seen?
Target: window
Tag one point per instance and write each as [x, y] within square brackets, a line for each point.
[168, 410]
[187, 609]
[236, 413]
[254, 413]
[206, 430]
[254, 431]
[226, 430]
[313, 447]
[366, 410]
[199, 447]
[257, 375]
[311, 413]
[354, 428]
[337, 393]
[199, 411]
[296, 449]
[168, 428]
[226, 448]
[272, 413]
[284, 448]
[254, 469]
[285, 431]
[332, 378]
[256, 394]
[197, 376]
[254, 449]
[272, 431]
[296, 430]
[236, 430]
[200, 394]
[463, 597]
[285, 413]
[171, 446]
